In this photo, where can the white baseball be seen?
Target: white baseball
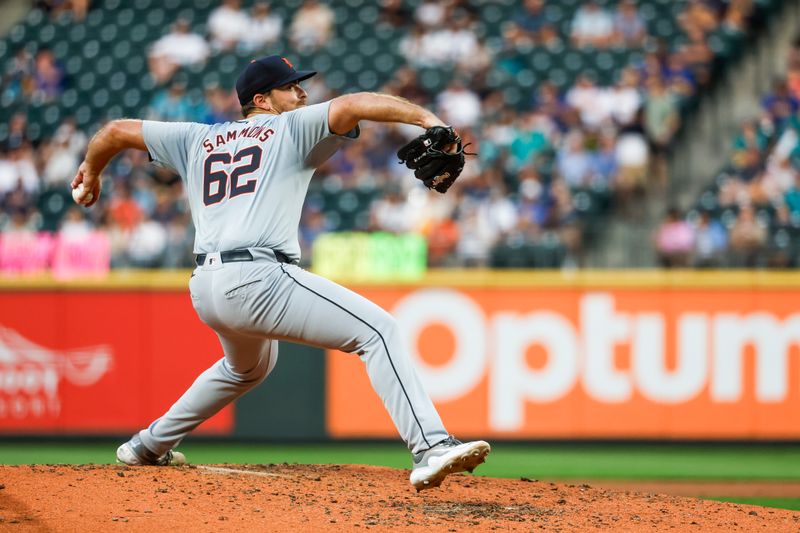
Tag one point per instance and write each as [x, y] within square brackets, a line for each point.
[78, 190]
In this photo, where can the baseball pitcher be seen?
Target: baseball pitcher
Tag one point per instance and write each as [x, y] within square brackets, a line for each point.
[246, 182]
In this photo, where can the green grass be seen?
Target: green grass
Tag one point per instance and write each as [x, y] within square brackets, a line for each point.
[513, 460]
[781, 503]
[540, 461]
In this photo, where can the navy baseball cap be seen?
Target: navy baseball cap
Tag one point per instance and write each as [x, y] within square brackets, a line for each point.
[264, 74]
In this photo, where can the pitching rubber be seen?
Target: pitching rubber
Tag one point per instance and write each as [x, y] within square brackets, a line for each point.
[459, 460]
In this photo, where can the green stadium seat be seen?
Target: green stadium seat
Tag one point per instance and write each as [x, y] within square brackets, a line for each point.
[95, 19]
[90, 50]
[492, 15]
[100, 98]
[368, 80]
[142, 5]
[52, 116]
[132, 99]
[86, 81]
[526, 78]
[369, 46]
[336, 79]
[353, 64]
[17, 36]
[554, 14]
[69, 98]
[337, 47]
[73, 65]
[53, 203]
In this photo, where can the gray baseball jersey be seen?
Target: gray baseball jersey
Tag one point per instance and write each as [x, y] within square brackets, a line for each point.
[246, 182]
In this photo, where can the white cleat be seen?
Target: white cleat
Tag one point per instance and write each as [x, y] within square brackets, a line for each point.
[447, 457]
[134, 453]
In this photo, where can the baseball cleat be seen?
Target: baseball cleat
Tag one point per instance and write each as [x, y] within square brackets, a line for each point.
[447, 457]
[134, 453]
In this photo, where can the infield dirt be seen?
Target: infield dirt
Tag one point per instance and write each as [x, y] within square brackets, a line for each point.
[304, 498]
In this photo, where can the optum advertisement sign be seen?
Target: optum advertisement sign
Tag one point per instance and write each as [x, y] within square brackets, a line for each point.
[532, 362]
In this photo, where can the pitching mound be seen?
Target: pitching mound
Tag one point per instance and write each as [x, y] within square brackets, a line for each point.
[340, 498]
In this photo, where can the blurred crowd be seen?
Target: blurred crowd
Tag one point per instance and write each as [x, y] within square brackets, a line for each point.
[750, 216]
[534, 157]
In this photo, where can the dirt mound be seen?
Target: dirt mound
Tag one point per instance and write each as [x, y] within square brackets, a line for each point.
[340, 498]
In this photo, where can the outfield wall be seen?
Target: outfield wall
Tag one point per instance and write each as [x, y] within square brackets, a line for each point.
[639, 354]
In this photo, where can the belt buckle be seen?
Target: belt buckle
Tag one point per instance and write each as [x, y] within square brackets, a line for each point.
[213, 261]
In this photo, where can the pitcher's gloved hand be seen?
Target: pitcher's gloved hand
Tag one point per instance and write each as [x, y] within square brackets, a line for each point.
[436, 157]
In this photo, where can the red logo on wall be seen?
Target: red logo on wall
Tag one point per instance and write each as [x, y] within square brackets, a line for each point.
[30, 374]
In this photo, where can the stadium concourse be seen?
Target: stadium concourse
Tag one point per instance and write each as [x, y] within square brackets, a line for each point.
[571, 105]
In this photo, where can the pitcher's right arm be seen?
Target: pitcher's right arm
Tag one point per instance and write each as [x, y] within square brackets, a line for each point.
[112, 138]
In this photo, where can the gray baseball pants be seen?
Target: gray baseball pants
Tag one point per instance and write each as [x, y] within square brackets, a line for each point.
[253, 304]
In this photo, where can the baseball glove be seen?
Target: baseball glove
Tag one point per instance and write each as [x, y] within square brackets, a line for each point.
[426, 155]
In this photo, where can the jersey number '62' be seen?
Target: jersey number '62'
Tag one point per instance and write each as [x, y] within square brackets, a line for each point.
[217, 173]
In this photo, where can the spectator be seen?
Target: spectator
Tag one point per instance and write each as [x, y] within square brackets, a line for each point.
[592, 26]
[699, 15]
[574, 161]
[632, 156]
[459, 106]
[125, 213]
[792, 198]
[221, 105]
[747, 238]
[48, 77]
[591, 101]
[674, 241]
[264, 28]
[17, 169]
[173, 105]
[550, 38]
[629, 28]
[395, 14]
[780, 103]
[414, 50]
[603, 161]
[793, 69]
[178, 48]
[679, 78]
[227, 25]
[392, 213]
[180, 243]
[18, 80]
[431, 13]
[531, 136]
[313, 224]
[75, 227]
[312, 26]
[710, 242]
[530, 20]
[61, 161]
[625, 98]
[697, 55]
[736, 15]
[477, 236]
[147, 244]
[548, 101]
[17, 131]
[77, 8]
[661, 121]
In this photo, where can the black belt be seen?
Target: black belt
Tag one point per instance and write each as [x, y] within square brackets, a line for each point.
[238, 256]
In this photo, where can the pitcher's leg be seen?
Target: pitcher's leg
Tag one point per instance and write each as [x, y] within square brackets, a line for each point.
[247, 362]
[317, 311]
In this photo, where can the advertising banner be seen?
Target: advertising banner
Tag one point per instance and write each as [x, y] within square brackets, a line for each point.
[85, 362]
[566, 362]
